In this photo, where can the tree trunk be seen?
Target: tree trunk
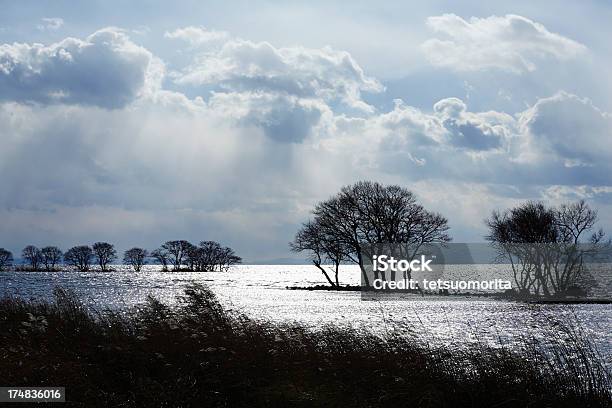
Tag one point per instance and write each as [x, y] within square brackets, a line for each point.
[366, 281]
[318, 265]
[337, 282]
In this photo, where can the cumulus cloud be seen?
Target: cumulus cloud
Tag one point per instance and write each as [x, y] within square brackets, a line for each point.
[570, 127]
[526, 149]
[474, 131]
[450, 127]
[511, 43]
[196, 36]
[106, 69]
[284, 91]
[50, 24]
[240, 65]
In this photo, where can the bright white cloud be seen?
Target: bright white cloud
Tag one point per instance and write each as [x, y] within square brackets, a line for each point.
[106, 69]
[244, 66]
[283, 91]
[511, 43]
[570, 127]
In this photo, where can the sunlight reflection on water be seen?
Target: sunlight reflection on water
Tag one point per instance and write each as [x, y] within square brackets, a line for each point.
[260, 292]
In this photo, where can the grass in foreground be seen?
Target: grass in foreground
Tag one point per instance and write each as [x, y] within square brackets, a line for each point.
[199, 355]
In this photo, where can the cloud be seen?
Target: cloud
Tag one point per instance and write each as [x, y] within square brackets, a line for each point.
[285, 92]
[451, 129]
[250, 138]
[106, 69]
[163, 167]
[244, 66]
[510, 43]
[570, 127]
[529, 148]
[50, 24]
[474, 131]
[283, 118]
[196, 36]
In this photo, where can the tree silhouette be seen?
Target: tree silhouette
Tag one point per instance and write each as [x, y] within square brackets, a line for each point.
[177, 251]
[79, 257]
[105, 254]
[136, 257]
[162, 256]
[544, 244]
[51, 256]
[322, 248]
[33, 255]
[368, 213]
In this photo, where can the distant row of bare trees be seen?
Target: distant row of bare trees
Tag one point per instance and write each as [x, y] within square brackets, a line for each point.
[80, 257]
[181, 255]
[207, 256]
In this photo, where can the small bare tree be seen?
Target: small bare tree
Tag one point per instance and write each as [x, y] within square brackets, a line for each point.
[192, 257]
[162, 257]
[33, 256]
[6, 259]
[178, 251]
[79, 257]
[227, 259]
[211, 256]
[209, 252]
[105, 254]
[51, 256]
[322, 248]
[136, 257]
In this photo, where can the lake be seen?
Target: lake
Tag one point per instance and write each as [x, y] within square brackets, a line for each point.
[259, 291]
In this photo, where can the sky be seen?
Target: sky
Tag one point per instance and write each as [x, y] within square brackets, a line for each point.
[149, 121]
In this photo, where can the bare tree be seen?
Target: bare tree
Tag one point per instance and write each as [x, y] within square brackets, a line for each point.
[367, 213]
[105, 254]
[79, 257]
[211, 256]
[178, 251]
[544, 244]
[192, 257]
[228, 258]
[574, 219]
[51, 256]
[322, 248]
[6, 259]
[136, 257]
[162, 256]
[33, 255]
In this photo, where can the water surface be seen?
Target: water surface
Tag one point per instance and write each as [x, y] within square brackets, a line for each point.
[260, 292]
